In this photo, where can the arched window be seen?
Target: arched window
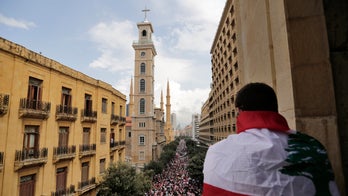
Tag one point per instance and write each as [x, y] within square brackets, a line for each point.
[144, 33]
[142, 68]
[142, 106]
[142, 85]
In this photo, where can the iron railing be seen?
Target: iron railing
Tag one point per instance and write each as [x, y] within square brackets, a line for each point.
[67, 191]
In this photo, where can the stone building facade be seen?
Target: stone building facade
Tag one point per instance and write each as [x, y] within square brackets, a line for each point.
[297, 47]
[59, 128]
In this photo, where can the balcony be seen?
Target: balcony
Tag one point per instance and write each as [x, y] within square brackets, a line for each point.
[66, 113]
[122, 121]
[122, 144]
[28, 158]
[29, 108]
[87, 150]
[64, 153]
[4, 102]
[66, 192]
[1, 161]
[114, 146]
[88, 116]
[114, 119]
[86, 186]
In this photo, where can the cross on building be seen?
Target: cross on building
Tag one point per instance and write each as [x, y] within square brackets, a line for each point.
[145, 11]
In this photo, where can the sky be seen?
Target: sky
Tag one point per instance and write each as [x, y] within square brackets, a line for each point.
[95, 37]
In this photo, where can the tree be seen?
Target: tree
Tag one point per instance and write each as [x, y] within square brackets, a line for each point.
[155, 166]
[122, 180]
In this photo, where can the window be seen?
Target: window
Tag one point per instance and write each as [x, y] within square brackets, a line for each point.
[84, 172]
[61, 176]
[142, 124]
[112, 108]
[88, 105]
[104, 105]
[121, 111]
[129, 134]
[34, 93]
[142, 54]
[101, 166]
[85, 137]
[142, 106]
[142, 68]
[142, 85]
[63, 136]
[27, 185]
[103, 135]
[141, 155]
[31, 139]
[141, 140]
[144, 33]
[66, 99]
[112, 138]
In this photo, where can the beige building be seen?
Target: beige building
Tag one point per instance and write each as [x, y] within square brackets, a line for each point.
[59, 128]
[297, 47]
[148, 129]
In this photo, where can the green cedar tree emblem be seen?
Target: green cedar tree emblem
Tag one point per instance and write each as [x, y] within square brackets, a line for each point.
[307, 157]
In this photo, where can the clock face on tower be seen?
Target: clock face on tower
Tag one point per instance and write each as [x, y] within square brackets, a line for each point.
[142, 54]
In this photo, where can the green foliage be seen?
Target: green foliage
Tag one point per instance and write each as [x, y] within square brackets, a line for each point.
[155, 166]
[195, 166]
[196, 155]
[123, 180]
[307, 157]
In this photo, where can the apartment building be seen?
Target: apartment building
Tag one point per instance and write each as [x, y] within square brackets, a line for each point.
[226, 77]
[59, 128]
[297, 47]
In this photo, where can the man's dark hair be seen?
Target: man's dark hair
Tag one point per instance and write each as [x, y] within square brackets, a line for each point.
[257, 97]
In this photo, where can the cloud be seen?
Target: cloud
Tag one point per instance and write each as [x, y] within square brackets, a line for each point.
[113, 40]
[16, 23]
[183, 35]
[186, 102]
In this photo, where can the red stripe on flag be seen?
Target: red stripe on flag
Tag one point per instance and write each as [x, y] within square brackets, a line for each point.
[210, 190]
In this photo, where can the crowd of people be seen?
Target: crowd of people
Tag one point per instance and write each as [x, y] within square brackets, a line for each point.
[175, 180]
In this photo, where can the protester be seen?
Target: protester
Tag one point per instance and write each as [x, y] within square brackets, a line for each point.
[265, 157]
[175, 180]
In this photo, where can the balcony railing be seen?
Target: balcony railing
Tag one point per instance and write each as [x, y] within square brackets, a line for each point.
[4, 102]
[30, 108]
[122, 144]
[31, 157]
[66, 192]
[87, 150]
[88, 116]
[86, 186]
[66, 113]
[122, 121]
[114, 119]
[114, 146]
[64, 152]
[1, 160]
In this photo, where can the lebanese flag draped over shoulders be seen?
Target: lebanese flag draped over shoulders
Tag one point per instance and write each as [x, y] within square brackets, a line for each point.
[253, 161]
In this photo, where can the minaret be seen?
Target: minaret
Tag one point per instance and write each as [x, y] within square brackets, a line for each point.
[131, 100]
[168, 105]
[168, 127]
[162, 108]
